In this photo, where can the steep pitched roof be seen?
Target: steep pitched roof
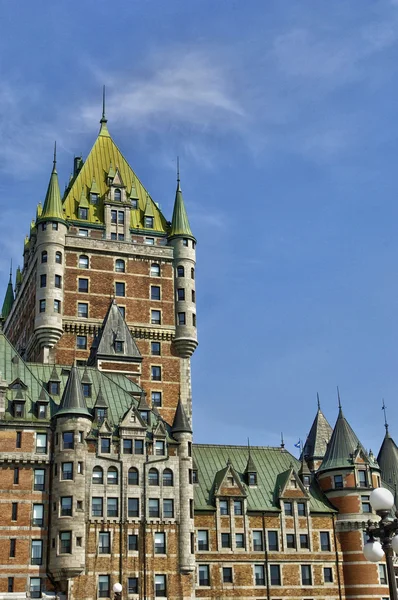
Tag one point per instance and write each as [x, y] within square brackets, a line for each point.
[179, 223]
[318, 437]
[52, 208]
[388, 460]
[8, 300]
[73, 402]
[180, 423]
[103, 154]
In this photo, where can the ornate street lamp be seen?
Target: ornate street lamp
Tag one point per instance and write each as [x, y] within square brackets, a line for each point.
[117, 590]
[385, 530]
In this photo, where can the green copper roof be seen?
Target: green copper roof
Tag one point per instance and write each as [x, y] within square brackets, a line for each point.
[73, 402]
[270, 463]
[181, 423]
[52, 208]
[179, 223]
[8, 300]
[388, 460]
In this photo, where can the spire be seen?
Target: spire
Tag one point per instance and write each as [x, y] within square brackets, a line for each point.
[8, 298]
[383, 408]
[319, 404]
[318, 437]
[338, 397]
[103, 120]
[179, 223]
[282, 440]
[180, 423]
[52, 209]
[343, 444]
[100, 401]
[388, 460]
[73, 402]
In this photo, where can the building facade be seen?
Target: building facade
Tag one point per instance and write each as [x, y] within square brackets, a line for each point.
[100, 479]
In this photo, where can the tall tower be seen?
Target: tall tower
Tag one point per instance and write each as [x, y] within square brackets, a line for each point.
[186, 339]
[51, 231]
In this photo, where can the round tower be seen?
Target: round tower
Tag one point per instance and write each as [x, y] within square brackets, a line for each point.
[50, 249]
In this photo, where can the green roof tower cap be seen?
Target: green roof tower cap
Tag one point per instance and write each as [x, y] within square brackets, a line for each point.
[100, 401]
[52, 209]
[8, 299]
[180, 423]
[83, 202]
[179, 223]
[73, 402]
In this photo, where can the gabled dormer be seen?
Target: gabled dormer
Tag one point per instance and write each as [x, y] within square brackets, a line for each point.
[227, 482]
[18, 404]
[94, 193]
[143, 408]
[42, 404]
[133, 198]
[84, 206]
[132, 422]
[251, 476]
[148, 214]
[159, 439]
[54, 383]
[289, 486]
[100, 408]
[105, 438]
[18, 384]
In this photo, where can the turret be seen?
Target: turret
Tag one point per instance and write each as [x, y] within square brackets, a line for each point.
[51, 231]
[8, 299]
[317, 440]
[182, 432]
[388, 458]
[72, 423]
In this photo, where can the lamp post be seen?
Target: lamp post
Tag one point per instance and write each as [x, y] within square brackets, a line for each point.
[117, 590]
[385, 530]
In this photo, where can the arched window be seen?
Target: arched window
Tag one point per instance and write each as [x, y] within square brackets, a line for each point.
[83, 261]
[98, 475]
[58, 258]
[153, 477]
[120, 266]
[113, 476]
[155, 270]
[117, 195]
[180, 271]
[44, 256]
[168, 477]
[133, 476]
[192, 273]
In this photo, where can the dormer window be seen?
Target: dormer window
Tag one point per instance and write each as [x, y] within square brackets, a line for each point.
[306, 479]
[86, 390]
[83, 214]
[117, 195]
[41, 411]
[160, 448]
[100, 414]
[94, 199]
[144, 415]
[19, 409]
[119, 347]
[148, 222]
[195, 478]
[252, 478]
[134, 203]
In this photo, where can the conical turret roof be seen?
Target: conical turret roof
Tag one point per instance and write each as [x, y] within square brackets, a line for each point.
[181, 423]
[179, 223]
[342, 446]
[318, 437]
[8, 300]
[388, 460]
[52, 208]
[100, 401]
[73, 401]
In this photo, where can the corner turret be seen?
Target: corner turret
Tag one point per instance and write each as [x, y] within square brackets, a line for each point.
[317, 440]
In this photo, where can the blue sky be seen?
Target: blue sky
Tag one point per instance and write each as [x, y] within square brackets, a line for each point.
[284, 115]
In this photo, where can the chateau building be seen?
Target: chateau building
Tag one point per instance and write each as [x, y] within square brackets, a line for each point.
[100, 479]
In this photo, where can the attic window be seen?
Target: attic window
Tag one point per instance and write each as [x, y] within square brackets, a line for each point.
[195, 478]
[134, 203]
[53, 388]
[83, 214]
[86, 390]
[252, 478]
[100, 414]
[41, 411]
[19, 409]
[293, 483]
[117, 195]
[94, 198]
[306, 480]
[231, 481]
[119, 347]
[148, 222]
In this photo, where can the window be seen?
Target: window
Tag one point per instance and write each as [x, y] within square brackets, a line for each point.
[38, 480]
[57, 306]
[338, 482]
[239, 540]
[42, 306]
[168, 509]
[160, 543]
[181, 318]
[67, 470]
[290, 540]
[117, 195]
[155, 270]
[167, 477]
[58, 258]
[258, 542]
[104, 586]
[185, 242]
[83, 261]
[122, 310]
[160, 448]
[153, 505]
[38, 515]
[138, 446]
[133, 542]
[328, 575]
[58, 281]
[134, 203]
[19, 409]
[16, 475]
[325, 541]
[156, 398]
[83, 285]
[180, 271]
[155, 317]
[225, 540]
[204, 575]
[194, 319]
[18, 441]
[132, 585]
[120, 266]
[54, 226]
[156, 373]
[13, 543]
[127, 446]
[120, 217]
[113, 236]
[365, 502]
[105, 445]
[82, 310]
[160, 586]
[112, 507]
[53, 388]
[383, 574]
[68, 440]
[181, 294]
[304, 541]
[155, 348]
[193, 296]
[252, 478]
[275, 574]
[65, 539]
[104, 542]
[35, 587]
[133, 478]
[300, 509]
[113, 476]
[44, 256]
[238, 507]
[203, 539]
[86, 390]
[259, 575]
[306, 575]
[273, 541]
[36, 555]
[98, 475]
[362, 479]
[83, 232]
[83, 213]
[120, 289]
[224, 507]
[80, 468]
[155, 292]
[153, 477]
[97, 506]
[41, 443]
[43, 281]
[43, 226]
[14, 511]
[81, 342]
[10, 584]
[192, 273]
[148, 222]
[288, 509]
[133, 507]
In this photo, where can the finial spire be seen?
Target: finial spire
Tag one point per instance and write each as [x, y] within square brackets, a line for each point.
[383, 408]
[103, 118]
[338, 397]
[282, 440]
[11, 271]
[248, 445]
[319, 403]
[178, 174]
[55, 155]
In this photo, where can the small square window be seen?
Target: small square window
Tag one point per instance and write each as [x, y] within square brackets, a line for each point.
[81, 342]
[149, 241]
[83, 232]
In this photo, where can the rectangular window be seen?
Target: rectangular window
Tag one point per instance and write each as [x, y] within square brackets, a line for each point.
[120, 217]
[13, 543]
[54, 226]
[14, 511]
[38, 480]
[35, 587]
[362, 479]
[239, 540]
[113, 216]
[155, 348]
[97, 509]
[288, 509]
[65, 542]
[104, 590]
[66, 506]
[105, 445]
[193, 296]
[94, 198]
[81, 342]
[148, 222]
[301, 509]
[224, 507]
[338, 482]
[133, 507]
[203, 539]
[238, 507]
[120, 289]
[82, 310]
[43, 281]
[204, 575]
[67, 470]
[181, 318]
[273, 541]
[225, 540]
[181, 294]
[83, 213]
[41, 411]
[328, 575]
[160, 586]
[83, 285]
[38, 515]
[16, 475]
[290, 540]
[156, 398]
[41, 443]
[275, 574]
[104, 542]
[168, 509]
[258, 542]
[68, 440]
[57, 306]
[127, 446]
[138, 446]
[133, 542]
[160, 448]
[259, 575]
[112, 507]
[58, 281]
[10, 585]
[19, 410]
[18, 441]
[306, 575]
[156, 373]
[325, 541]
[227, 575]
[132, 585]
[383, 574]
[155, 317]
[153, 505]
[42, 306]
[86, 390]
[113, 236]
[36, 556]
[155, 292]
[160, 543]
[304, 541]
[366, 506]
[149, 241]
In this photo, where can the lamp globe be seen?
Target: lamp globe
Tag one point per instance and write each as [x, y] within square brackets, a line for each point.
[117, 588]
[373, 551]
[381, 499]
